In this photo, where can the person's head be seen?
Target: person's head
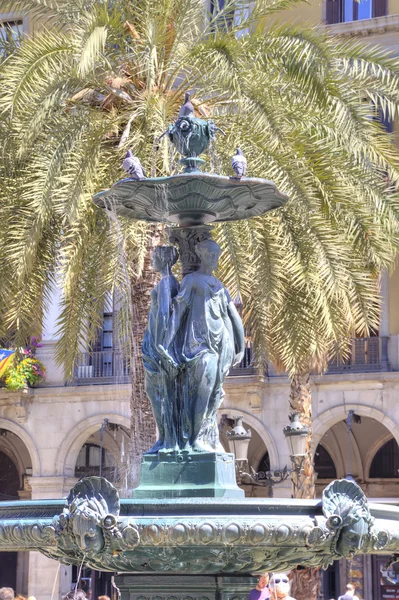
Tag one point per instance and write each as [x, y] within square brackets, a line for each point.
[104, 598]
[163, 256]
[263, 580]
[6, 593]
[208, 252]
[350, 589]
[19, 597]
[75, 595]
[279, 585]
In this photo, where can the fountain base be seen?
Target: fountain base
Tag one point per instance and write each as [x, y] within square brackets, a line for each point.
[188, 475]
[184, 587]
[198, 537]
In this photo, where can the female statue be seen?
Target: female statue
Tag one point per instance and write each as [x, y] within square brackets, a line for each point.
[208, 332]
[160, 374]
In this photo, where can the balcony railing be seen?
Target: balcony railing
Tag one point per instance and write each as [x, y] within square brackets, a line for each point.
[247, 365]
[109, 366]
[366, 355]
[112, 366]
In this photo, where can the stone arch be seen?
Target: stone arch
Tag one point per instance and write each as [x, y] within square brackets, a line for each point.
[77, 436]
[13, 454]
[337, 459]
[261, 429]
[372, 451]
[27, 440]
[334, 415]
[110, 446]
[330, 417]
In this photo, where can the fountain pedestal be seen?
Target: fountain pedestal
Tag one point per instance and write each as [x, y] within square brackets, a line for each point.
[188, 475]
[184, 587]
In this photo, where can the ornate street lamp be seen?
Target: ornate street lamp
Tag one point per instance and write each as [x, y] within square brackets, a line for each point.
[296, 435]
[239, 439]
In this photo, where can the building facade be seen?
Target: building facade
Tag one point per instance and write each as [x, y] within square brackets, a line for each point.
[52, 435]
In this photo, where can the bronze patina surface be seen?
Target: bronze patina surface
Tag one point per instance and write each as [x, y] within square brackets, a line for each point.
[199, 535]
[190, 199]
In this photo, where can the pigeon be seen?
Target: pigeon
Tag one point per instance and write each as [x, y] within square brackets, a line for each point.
[187, 109]
[239, 163]
[132, 166]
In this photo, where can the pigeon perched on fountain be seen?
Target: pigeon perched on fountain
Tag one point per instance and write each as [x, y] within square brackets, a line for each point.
[239, 163]
[133, 167]
[187, 109]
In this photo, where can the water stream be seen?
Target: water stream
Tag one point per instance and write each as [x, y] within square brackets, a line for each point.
[79, 576]
[55, 580]
[214, 158]
[173, 161]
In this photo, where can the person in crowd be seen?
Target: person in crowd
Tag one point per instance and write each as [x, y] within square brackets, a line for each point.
[279, 586]
[349, 593]
[261, 591]
[6, 593]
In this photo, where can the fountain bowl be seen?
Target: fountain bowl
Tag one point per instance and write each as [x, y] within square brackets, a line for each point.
[199, 535]
[192, 199]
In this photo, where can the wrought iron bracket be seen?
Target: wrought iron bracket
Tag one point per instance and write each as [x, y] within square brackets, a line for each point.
[267, 478]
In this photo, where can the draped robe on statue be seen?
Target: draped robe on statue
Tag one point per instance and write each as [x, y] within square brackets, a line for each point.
[207, 348]
[160, 380]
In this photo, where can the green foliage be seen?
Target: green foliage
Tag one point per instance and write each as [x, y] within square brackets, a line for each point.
[29, 371]
[107, 76]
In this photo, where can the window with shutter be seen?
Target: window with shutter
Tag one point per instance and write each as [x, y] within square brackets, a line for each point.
[11, 29]
[10, 33]
[225, 16]
[343, 11]
[333, 12]
[380, 8]
[385, 463]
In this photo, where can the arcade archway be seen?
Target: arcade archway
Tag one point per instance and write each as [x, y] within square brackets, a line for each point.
[15, 468]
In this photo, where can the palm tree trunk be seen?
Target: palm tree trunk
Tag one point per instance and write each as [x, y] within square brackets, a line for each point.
[305, 582]
[301, 401]
[142, 422]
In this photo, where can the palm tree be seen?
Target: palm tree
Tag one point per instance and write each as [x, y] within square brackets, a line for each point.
[305, 108]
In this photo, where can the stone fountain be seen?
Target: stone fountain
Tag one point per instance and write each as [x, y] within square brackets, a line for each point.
[189, 533]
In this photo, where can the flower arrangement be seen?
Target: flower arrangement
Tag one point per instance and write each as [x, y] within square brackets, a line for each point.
[26, 369]
[29, 371]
